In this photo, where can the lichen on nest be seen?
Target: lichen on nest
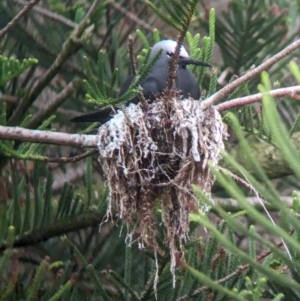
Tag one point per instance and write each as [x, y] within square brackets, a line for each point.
[151, 157]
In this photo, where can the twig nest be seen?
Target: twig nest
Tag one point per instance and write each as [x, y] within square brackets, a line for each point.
[150, 159]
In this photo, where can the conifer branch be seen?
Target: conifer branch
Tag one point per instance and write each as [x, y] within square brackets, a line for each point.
[241, 101]
[72, 45]
[274, 165]
[133, 69]
[48, 137]
[53, 104]
[221, 94]
[49, 14]
[17, 18]
[238, 180]
[237, 272]
[16, 155]
[231, 205]
[9, 99]
[186, 20]
[131, 55]
[131, 16]
[84, 220]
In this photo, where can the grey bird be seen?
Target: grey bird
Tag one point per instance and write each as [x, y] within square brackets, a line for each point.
[155, 81]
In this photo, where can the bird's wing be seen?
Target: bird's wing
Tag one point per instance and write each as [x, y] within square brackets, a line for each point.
[151, 86]
[125, 85]
[186, 82]
[102, 116]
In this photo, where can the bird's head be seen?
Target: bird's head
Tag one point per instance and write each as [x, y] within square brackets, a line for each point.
[168, 49]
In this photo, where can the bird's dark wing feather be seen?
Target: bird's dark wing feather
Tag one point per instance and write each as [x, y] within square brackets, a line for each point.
[186, 82]
[102, 116]
[151, 86]
[125, 85]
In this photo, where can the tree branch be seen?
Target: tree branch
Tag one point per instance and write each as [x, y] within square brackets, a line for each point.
[14, 154]
[269, 157]
[36, 136]
[231, 205]
[240, 269]
[241, 101]
[249, 75]
[131, 16]
[50, 14]
[53, 104]
[84, 220]
[17, 18]
[71, 46]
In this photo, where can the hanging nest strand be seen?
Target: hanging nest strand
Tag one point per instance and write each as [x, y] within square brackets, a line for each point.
[151, 158]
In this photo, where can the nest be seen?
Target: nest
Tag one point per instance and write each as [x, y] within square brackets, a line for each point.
[152, 157]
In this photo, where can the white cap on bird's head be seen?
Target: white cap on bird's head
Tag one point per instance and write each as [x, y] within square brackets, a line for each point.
[168, 47]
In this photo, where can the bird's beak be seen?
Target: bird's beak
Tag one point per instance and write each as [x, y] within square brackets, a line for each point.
[188, 61]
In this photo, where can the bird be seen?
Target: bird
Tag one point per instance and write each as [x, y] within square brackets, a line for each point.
[155, 82]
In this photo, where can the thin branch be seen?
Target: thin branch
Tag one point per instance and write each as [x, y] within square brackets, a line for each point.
[229, 204]
[131, 55]
[237, 272]
[9, 98]
[238, 180]
[275, 165]
[73, 159]
[133, 69]
[36, 136]
[51, 15]
[241, 101]
[72, 45]
[53, 104]
[172, 71]
[84, 220]
[131, 16]
[17, 18]
[249, 75]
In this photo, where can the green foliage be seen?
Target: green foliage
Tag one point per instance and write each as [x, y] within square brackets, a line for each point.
[27, 151]
[175, 13]
[12, 67]
[77, 9]
[49, 237]
[98, 94]
[252, 20]
[205, 53]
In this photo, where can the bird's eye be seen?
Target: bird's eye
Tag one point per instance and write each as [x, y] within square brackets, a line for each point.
[170, 54]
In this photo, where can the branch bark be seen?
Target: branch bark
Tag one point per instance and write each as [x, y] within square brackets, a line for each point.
[49, 14]
[53, 104]
[71, 46]
[17, 18]
[241, 101]
[269, 157]
[48, 137]
[58, 228]
[249, 75]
